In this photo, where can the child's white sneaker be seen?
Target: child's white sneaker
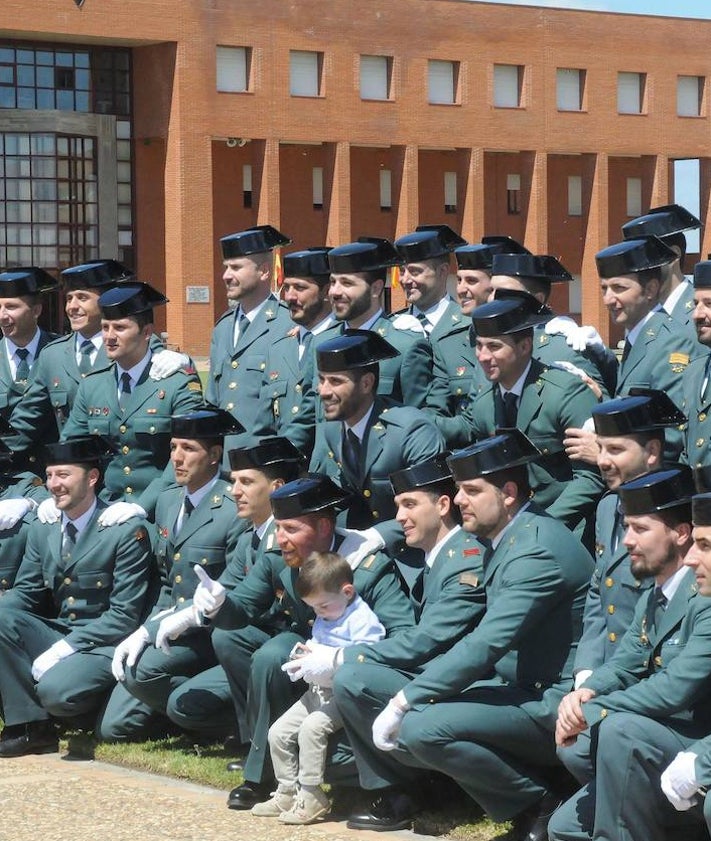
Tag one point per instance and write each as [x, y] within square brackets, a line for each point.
[308, 807]
[281, 800]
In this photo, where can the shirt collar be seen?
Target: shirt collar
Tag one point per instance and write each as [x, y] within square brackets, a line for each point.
[360, 427]
[500, 536]
[81, 522]
[517, 387]
[261, 530]
[137, 370]
[431, 556]
[31, 346]
[196, 497]
[633, 334]
[434, 313]
[317, 330]
[97, 340]
[674, 297]
[671, 585]
[370, 322]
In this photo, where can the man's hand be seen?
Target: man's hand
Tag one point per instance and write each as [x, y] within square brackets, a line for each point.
[679, 781]
[120, 512]
[571, 720]
[316, 665]
[581, 445]
[579, 338]
[13, 510]
[386, 727]
[167, 362]
[209, 595]
[47, 512]
[128, 651]
[53, 655]
[175, 624]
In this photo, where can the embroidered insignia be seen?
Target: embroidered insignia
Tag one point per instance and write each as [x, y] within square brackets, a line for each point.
[163, 532]
[469, 578]
[269, 312]
[678, 361]
[151, 411]
[368, 563]
[469, 552]
[192, 387]
[55, 382]
[270, 541]
[273, 375]
[105, 410]
[141, 534]
[461, 370]
[161, 394]
[189, 369]
[450, 553]
[216, 498]
[544, 339]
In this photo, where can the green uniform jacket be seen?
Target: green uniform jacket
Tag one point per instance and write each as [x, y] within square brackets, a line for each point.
[683, 310]
[11, 390]
[660, 673]
[98, 596]
[375, 581]
[551, 402]
[397, 437]
[237, 372]
[613, 594]
[13, 541]
[535, 583]
[451, 606]
[141, 432]
[209, 538]
[697, 450]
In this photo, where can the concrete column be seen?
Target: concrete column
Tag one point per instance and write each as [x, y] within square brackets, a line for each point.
[473, 213]
[338, 229]
[536, 237]
[596, 171]
[408, 203]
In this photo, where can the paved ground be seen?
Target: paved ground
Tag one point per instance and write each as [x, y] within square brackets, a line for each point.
[48, 798]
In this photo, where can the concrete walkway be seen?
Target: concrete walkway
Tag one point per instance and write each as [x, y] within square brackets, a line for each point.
[50, 798]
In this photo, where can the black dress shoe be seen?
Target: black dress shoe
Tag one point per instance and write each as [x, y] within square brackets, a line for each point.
[33, 737]
[390, 809]
[532, 824]
[249, 794]
[235, 765]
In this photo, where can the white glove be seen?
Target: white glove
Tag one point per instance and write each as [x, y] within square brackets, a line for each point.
[679, 781]
[172, 626]
[50, 657]
[405, 321]
[357, 545]
[579, 338]
[318, 666]
[119, 512]
[13, 510]
[128, 651]
[386, 727]
[167, 362]
[209, 595]
[47, 512]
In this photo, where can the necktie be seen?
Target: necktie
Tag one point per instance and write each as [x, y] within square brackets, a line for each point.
[256, 540]
[510, 409]
[125, 389]
[618, 529]
[23, 366]
[425, 322]
[418, 588]
[85, 350]
[705, 381]
[626, 351]
[660, 605]
[305, 347]
[184, 515]
[241, 325]
[69, 539]
[351, 453]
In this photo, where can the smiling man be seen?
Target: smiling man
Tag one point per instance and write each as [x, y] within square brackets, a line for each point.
[697, 377]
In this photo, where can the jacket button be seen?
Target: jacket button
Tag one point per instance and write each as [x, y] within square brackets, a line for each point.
[612, 636]
[178, 579]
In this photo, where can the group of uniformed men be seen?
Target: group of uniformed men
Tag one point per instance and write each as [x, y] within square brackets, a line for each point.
[526, 516]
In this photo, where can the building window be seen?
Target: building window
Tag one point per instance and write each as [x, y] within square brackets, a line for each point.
[630, 92]
[305, 73]
[442, 79]
[386, 195]
[634, 197]
[689, 95]
[508, 79]
[375, 76]
[570, 86]
[247, 185]
[575, 195]
[317, 187]
[233, 69]
[450, 192]
[513, 195]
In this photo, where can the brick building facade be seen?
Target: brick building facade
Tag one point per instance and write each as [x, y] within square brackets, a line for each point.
[332, 120]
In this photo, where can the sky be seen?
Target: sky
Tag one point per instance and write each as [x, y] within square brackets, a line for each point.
[679, 8]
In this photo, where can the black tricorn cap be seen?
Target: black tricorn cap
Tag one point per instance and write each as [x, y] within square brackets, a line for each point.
[632, 256]
[85, 449]
[27, 280]
[311, 263]
[501, 244]
[428, 472]
[476, 256]
[661, 222]
[367, 254]
[702, 275]
[511, 313]
[701, 509]
[702, 478]
[508, 448]
[307, 496]
[264, 453]
[540, 267]
[353, 349]
[642, 410]
[209, 422]
[657, 491]
[256, 240]
[428, 241]
[98, 274]
[128, 299]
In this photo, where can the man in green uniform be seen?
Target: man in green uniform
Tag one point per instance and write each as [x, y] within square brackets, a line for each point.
[79, 588]
[697, 377]
[652, 697]
[480, 712]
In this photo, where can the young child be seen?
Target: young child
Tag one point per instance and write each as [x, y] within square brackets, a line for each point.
[298, 740]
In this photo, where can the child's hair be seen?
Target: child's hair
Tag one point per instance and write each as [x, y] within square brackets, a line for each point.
[325, 571]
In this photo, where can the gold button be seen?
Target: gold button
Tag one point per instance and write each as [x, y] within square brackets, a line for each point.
[611, 608]
[176, 556]
[95, 430]
[459, 391]
[129, 490]
[152, 430]
[125, 450]
[204, 562]
[262, 366]
[72, 617]
[361, 658]
[181, 599]
[294, 410]
[178, 579]
[538, 685]
[99, 585]
[70, 600]
[657, 661]
[366, 493]
[230, 406]
[4, 582]
[603, 713]
[612, 636]
[702, 416]
[375, 514]
[127, 470]
[234, 363]
[67, 580]
[232, 385]
[122, 428]
[699, 442]
[609, 582]
[297, 388]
